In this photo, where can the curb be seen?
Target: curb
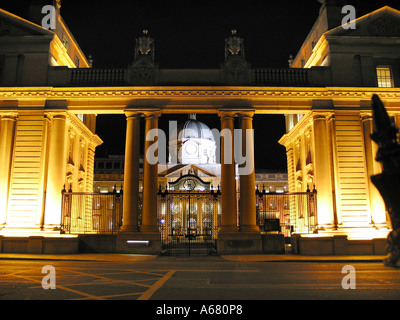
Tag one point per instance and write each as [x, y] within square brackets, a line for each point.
[231, 258]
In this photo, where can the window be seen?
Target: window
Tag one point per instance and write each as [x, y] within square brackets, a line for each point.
[65, 42]
[384, 75]
[76, 61]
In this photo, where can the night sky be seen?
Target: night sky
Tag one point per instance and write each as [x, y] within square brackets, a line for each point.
[191, 34]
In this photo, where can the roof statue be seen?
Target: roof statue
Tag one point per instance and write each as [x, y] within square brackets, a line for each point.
[234, 46]
[144, 46]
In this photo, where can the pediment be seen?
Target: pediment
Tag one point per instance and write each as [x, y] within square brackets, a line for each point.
[14, 26]
[181, 169]
[384, 22]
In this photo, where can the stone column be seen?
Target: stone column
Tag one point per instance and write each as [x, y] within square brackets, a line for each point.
[323, 171]
[150, 179]
[377, 205]
[228, 180]
[6, 146]
[248, 221]
[131, 173]
[56, 170]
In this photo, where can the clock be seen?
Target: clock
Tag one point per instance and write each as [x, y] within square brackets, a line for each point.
[189, 185]
[191, 149]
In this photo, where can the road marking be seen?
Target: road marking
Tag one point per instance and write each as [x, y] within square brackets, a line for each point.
[108, 279]
[147, 295]
[64, 288]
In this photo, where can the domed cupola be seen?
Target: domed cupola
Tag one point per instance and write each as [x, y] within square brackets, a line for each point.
[194, 142]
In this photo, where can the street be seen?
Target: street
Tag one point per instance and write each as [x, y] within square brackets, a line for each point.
[195, 278]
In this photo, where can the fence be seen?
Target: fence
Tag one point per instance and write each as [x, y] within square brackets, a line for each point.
[88, 213]
[287, 212]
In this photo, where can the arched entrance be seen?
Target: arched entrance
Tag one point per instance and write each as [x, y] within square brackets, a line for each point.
[189, 216]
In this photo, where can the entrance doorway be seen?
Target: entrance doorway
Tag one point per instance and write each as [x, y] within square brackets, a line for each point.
[189, 217]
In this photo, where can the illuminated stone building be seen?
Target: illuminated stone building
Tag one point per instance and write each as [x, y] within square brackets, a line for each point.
[50, 96]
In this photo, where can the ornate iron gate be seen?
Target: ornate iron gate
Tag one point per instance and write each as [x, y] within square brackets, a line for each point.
[188, 221]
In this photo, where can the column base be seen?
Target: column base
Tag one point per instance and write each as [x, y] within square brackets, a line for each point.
[139, 242]
[239, 243]
[149, 229]
[129, 229]
[228, 229]
[249, 228]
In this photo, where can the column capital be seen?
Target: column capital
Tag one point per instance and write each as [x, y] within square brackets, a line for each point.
[9, 116]
[245, 113]
[366, 117]
[152, 113]
[237, 112]
[321, 116]
[139, 112]
[129, 113]
[55, 115]
[226, 113]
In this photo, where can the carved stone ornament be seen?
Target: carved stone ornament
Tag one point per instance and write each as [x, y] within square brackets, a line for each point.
[384, 27]
[143, 72]
[5, 28]
[236, 72]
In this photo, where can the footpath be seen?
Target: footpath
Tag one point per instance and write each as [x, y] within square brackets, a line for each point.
[236, 258]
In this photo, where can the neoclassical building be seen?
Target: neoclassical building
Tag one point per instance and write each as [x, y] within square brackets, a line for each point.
[50, 96]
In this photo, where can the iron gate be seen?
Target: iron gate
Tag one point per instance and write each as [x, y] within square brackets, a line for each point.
[189, 221]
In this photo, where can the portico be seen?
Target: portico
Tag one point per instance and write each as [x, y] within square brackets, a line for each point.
[47, 129]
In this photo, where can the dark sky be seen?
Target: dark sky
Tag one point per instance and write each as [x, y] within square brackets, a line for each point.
[191, 34]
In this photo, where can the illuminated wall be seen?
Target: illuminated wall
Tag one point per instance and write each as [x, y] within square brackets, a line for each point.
[332, 150]
[42, 150]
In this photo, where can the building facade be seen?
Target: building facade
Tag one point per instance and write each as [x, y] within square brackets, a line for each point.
[50, 96]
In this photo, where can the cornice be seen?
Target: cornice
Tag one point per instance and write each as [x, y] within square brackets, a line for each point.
[116, 99]
[317, 92]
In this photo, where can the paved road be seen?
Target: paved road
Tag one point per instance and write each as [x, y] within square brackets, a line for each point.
[195, 278]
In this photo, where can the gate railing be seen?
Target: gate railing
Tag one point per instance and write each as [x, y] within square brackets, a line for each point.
[189, 221]
[287, 212]
[101, 213]
[91, 213]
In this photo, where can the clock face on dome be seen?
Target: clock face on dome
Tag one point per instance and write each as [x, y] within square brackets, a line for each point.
[191, 148]
[189, 184]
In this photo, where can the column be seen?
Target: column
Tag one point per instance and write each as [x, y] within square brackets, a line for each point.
[228, 179]
[323, 171]
[150, 179]
[6, 146]
[56, 170]
[131, 173]
[377, 205]
[247, 177]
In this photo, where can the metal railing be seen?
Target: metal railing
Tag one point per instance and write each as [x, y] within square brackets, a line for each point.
[287, 213]
[101, 213]
[91, 213]
[189, 221]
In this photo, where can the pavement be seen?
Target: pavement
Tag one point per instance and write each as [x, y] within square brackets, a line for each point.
[236, 258]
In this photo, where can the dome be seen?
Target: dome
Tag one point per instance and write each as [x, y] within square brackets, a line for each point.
[192, 142]
[193, 128]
